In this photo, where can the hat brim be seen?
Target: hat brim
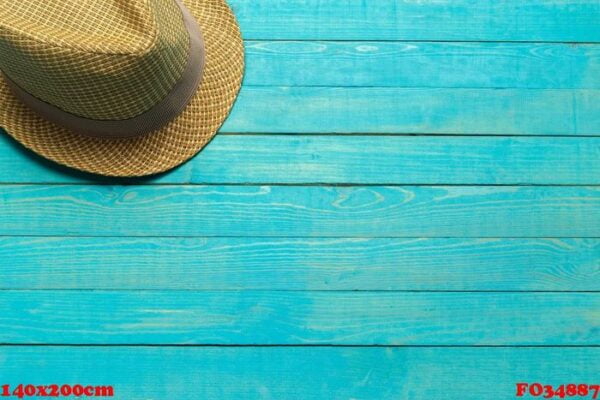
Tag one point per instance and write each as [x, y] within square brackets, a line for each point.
[158, 151]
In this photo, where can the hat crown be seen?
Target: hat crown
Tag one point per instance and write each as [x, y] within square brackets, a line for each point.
[85, 25]
[105, 60]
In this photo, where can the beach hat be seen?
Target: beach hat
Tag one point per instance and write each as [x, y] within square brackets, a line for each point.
[117, 87]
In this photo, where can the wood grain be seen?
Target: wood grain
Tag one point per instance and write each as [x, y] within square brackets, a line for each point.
[463, 20]
[416, 110]
[298, 317]
[250, 373]
[292, 211]
[422, 64]
[290, 159]
[300, 264]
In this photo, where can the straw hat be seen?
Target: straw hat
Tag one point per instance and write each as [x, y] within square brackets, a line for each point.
[117, 87]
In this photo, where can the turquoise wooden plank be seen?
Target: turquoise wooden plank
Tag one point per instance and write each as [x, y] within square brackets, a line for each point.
[396, 160]
[299, 317]
[300, 264]
[355, 159]
[416, 110]
[403, 211]
[307, 373]
[462, 20]
[422, 64]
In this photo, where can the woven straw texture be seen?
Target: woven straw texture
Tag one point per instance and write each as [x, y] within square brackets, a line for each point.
[163, 149]
[135, 49]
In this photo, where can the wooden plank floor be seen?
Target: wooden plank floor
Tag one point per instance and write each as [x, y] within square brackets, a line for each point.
[403, 204]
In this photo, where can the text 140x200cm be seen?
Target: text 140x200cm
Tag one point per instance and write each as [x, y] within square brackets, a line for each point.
[29, 390]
